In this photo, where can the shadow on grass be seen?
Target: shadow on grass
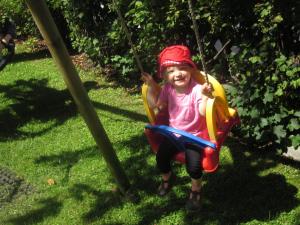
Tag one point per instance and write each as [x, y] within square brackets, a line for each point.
[104, 201]
[126, 113]
[28, 56]
[240, 192]
[237, 193]
[49, 207]
[67, 159]
[33, 100]
[290, 162]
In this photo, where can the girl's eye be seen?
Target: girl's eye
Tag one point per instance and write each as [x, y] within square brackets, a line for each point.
[169, 71]
[184, 67]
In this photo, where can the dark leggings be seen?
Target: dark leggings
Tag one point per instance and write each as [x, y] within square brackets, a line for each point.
[167, 151]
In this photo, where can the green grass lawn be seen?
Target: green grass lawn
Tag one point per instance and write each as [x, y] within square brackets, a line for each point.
[43, 137]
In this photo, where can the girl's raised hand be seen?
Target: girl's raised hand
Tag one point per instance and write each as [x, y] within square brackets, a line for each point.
[147, 78]
[207, 89]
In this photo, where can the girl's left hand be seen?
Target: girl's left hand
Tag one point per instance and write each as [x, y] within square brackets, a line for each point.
[147, 78]
[207, 89]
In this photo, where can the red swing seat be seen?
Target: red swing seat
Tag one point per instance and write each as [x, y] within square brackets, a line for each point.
[219, 119]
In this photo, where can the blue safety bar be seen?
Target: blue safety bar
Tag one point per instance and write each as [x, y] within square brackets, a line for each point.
[182, 139]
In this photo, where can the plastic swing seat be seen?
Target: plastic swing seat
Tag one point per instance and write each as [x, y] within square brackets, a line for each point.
[219, 120]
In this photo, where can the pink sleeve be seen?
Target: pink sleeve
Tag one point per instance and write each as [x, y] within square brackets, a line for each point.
[198, 94]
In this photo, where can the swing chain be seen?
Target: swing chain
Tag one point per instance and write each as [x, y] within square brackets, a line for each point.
[128, 35]
[198, 39]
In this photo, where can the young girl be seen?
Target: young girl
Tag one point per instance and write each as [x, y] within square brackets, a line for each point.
[185, 101]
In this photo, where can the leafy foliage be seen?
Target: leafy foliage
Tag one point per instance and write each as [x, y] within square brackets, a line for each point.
[19, 13]
[267, 82]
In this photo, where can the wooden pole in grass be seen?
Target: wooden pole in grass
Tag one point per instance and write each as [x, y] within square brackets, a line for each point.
[58, 50]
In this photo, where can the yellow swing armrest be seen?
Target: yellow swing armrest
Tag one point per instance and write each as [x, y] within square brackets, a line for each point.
[149, 96]
[218, 90]
[216, 108]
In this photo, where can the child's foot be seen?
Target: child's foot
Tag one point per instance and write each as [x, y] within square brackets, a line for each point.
[166, 185]
[194, 201]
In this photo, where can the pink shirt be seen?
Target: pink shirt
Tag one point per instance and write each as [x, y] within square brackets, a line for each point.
[183, 108]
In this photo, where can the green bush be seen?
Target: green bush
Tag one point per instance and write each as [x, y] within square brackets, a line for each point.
[267, 74]
[20, 14]
[18, 11]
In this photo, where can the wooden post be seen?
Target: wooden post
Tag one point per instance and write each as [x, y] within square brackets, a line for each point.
[58, 50]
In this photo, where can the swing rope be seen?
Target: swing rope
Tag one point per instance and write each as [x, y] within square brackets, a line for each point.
[128, 35]
[198, 39]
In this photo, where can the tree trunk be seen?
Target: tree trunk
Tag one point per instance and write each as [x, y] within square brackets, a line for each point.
[49, 31]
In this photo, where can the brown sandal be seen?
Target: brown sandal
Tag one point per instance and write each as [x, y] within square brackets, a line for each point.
[166, 185]
[194, 201]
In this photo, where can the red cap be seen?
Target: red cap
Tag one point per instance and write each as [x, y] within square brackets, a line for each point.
[174, 55]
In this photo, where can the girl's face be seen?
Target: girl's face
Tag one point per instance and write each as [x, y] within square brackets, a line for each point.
[178, 76]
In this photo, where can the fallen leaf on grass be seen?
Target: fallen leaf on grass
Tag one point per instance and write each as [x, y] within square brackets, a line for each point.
[50, 181]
